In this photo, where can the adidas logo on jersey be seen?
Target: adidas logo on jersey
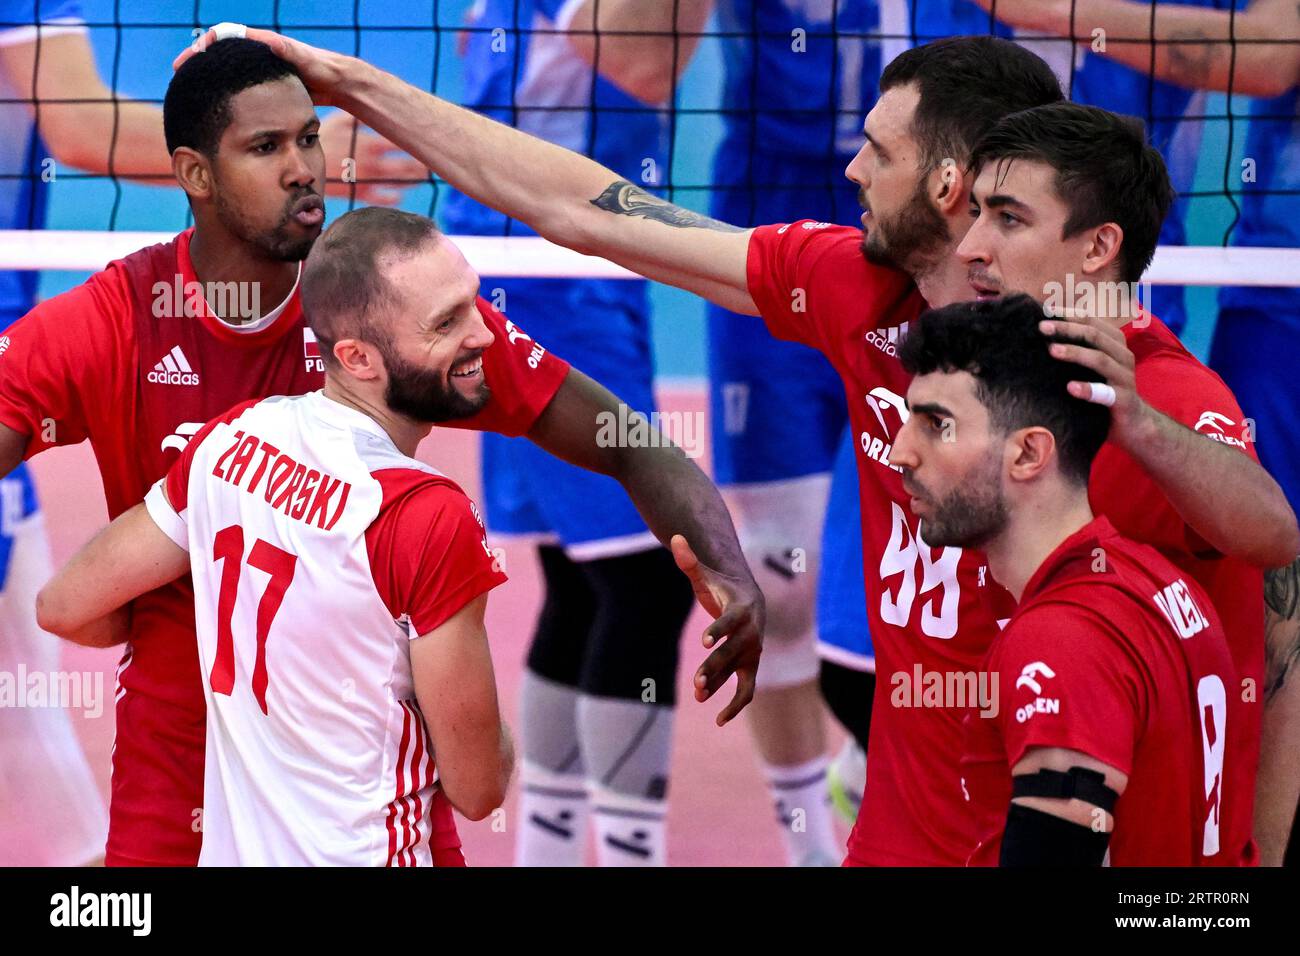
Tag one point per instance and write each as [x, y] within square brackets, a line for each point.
[4, 344]
[887, 339]
[174, 369]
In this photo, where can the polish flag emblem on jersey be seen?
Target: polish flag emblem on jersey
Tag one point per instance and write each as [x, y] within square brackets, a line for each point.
[311, 352]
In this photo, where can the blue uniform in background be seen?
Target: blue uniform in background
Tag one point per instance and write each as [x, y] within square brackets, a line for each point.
[795, 104]
[793, 121]
[17, 504]
[1258, 329]
[535, 82]
[843, 636]
[23, 203]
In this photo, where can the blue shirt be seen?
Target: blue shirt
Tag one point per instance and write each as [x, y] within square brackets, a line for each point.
[554, 98]
[1267, 217]
[794, 84]
[22, 153]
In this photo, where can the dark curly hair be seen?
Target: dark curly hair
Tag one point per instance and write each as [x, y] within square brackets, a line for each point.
[1017, 379]
[196, 110]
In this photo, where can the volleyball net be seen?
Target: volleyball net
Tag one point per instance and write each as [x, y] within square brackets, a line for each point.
[96, 216]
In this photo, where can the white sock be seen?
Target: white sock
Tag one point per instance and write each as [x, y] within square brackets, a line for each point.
[804, 812]
[630, 831]
[553, 811]
[851, 765]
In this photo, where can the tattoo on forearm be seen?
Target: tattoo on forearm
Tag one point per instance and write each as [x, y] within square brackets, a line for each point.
[1281, 626]
[625, 199]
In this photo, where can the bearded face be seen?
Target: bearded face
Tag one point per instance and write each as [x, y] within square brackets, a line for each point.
[428, 395]
[909, 237]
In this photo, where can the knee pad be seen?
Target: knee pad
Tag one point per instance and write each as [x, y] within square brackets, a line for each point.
[780, 529]
[642, 602]
[563, 631]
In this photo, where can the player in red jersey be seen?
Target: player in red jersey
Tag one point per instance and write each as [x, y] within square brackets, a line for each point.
[1047, 173]
[931, 610]
[1115, 722]
[138, 357]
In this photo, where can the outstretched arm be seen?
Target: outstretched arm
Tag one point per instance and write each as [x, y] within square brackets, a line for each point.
[87, 126]
[1194, 47]
[1254, 523]
[565, 197]
[678, 502]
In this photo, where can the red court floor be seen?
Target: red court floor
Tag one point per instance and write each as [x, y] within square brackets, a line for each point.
[719, 814]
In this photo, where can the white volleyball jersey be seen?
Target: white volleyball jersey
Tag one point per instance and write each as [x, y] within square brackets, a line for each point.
[318, 550]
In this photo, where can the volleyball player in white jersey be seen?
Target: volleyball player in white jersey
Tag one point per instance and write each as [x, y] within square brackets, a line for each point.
[339, 585]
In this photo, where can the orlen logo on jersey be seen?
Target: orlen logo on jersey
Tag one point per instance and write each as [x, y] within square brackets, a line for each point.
[1039, 705]
[1211, 424]
[1180, 609]
[312, 360]
[174, 369]
[878, 400]
[887, 339]
[516, 334]
[807, 225]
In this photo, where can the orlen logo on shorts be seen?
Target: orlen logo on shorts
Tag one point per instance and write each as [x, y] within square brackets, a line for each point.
[887, 339]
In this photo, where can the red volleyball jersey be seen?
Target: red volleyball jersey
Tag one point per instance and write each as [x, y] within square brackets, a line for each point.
[1117, 653]
[934, 612]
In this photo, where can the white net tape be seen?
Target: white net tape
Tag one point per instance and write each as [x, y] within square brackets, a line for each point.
[533, 257]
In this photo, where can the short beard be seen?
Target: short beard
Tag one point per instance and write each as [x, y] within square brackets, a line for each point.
[276, 243]
[970, 516]
[912, 240]
[422, 395]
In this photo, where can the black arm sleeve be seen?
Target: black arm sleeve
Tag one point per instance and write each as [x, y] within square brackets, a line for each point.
[1035, 838]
